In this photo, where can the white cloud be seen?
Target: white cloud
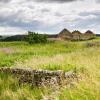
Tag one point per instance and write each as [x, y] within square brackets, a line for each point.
[51, 17]
[11, 30]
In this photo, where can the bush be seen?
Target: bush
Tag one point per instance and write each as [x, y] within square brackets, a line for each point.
[33, 37]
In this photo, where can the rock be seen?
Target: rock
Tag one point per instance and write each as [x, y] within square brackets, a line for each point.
[38, 77]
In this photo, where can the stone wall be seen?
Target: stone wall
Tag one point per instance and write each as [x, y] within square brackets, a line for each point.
[39, 77]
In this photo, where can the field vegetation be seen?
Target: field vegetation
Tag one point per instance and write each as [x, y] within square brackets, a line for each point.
[56, 55]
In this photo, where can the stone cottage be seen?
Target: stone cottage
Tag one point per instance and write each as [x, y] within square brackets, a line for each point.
[65, 34]
[76, 35]
[89, 34]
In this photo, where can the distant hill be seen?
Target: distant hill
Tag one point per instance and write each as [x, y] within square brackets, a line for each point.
[22, 37]
[13, 38]
[97, 34]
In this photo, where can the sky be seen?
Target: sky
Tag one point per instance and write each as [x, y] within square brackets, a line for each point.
[49, 16]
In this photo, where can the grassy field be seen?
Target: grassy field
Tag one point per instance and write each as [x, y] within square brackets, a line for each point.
[56, 55]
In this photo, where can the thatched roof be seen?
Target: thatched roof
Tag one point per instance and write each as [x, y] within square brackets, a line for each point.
[76, 32]
[65, 32]
[89, 32]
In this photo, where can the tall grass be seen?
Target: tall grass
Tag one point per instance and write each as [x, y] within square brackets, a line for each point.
[20, 51]
[88, 88]
[53, 56]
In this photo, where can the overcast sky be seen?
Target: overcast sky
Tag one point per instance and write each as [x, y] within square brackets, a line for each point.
[49, 16]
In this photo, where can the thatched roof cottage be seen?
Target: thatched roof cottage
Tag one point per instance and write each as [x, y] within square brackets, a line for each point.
[89, 34]
[65, 34]
[76, 35]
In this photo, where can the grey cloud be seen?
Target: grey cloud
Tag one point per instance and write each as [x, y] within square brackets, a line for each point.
[96, 13]
[45, 10]
[4, 1]
[98, 1]
[11, 22]
[86, 23]
[58, 14]
[14, 19]
[50, 1]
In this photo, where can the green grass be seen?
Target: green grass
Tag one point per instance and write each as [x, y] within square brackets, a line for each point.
[21, 51]
[59, 55]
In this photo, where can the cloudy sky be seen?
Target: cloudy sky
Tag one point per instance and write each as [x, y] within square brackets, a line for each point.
[49, 16]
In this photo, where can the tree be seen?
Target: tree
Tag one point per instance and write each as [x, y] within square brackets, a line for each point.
[0, 36]
[33, 37]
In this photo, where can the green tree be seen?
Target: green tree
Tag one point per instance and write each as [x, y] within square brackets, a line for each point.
[33, 37]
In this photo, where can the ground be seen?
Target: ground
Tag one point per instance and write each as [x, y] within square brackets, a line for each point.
[63, 55]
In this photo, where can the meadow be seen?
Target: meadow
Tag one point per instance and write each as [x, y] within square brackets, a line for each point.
[57, 55]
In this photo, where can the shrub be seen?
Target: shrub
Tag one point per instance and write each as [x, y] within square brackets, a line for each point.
[33, 37]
